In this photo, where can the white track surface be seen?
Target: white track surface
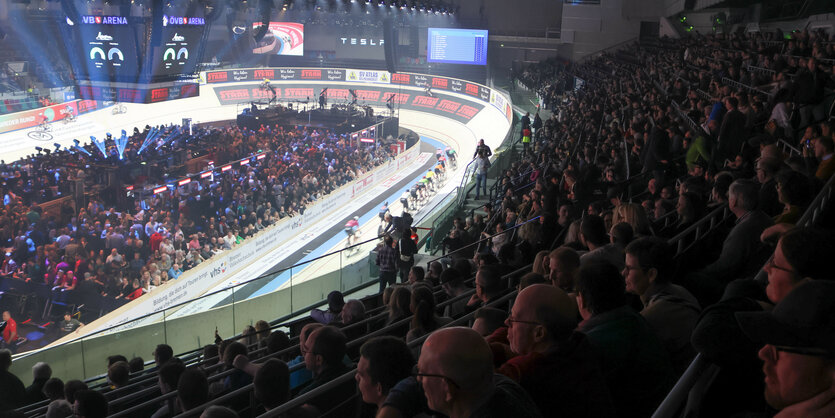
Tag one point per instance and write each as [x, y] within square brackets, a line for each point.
[489, 124]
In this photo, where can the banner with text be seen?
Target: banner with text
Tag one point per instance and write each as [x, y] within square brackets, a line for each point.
[439, 104]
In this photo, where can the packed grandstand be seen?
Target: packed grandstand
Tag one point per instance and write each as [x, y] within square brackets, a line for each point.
[652, 238]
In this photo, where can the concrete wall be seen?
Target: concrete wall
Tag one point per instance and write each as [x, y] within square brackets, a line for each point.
[502, 16]
[597, 27]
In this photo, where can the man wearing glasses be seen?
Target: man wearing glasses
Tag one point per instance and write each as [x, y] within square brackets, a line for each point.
[455, 370]
[799, 352]
[555, 365]
[323, 352]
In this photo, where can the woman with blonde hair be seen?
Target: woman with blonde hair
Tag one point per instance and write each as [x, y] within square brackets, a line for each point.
[541, 262]
[633, 214]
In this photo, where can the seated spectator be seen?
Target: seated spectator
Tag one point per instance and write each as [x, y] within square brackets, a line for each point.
[594, 236]
[398, 306]
[487, 320]
[59, 408]
[303, 375]
[271, 384]
[416, 275]
[794, 192]
[262, 332]
[12, 391]
[670, 310]
[767, 169]
[167, 379]
[238, 378]
[799, 351]
[277, 341]
[352, 312]
[424, 319]
[162, 354]
[554, 364]
[192, 389]
[455, 370]
[323, 353]
[384, 361]
[820, 157]
[637, 369]
[540, 263]
[118, 374]
[564, 263]
[453, 284]
[335, 304]
[488, 287]
[53, 389]
[41, 372]
[90, 404]
[136, 365]
[71, 387]
[742, 251]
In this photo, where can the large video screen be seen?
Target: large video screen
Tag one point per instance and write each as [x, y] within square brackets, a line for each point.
[109, 47]
[282, 38]
[179, 53]
[457, 46]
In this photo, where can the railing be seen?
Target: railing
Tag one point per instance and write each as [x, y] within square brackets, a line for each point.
[760, 70]
[787, 148]
[700, 229]
[740, 86]
[695, 127]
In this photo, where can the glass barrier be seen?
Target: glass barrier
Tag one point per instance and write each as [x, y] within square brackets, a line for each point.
[192, 324]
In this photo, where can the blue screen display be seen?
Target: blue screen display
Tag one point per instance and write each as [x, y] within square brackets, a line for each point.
[457, 46]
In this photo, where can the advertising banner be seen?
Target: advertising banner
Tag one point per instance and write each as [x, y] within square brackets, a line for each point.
[368, 76]
[34, 117]
[138, 95]
[440, 104]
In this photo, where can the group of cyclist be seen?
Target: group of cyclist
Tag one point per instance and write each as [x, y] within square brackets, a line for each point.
[410, 198]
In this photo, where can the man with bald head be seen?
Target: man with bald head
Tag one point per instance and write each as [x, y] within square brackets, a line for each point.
[455, 370]
[555, 364]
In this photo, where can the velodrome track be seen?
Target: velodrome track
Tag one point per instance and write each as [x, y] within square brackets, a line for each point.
[489, 124]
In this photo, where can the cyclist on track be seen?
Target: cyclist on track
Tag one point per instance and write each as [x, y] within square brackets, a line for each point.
[404, 199]
[450, 153]
[351, 230]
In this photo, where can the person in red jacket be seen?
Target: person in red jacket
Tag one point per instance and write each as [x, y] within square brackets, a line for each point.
[156, 240]
[10, 332]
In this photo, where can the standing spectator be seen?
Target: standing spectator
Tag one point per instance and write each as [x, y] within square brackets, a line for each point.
[481, 167]
[387, 261]
[483, 148]
[406, 258]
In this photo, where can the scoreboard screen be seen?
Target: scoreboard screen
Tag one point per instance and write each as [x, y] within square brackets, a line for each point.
[457, 46]
[109, 48]
[180, 51]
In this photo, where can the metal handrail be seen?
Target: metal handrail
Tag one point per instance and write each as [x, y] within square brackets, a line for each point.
[701, 228]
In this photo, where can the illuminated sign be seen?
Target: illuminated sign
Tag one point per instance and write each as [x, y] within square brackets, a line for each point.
[104, 20]
[206, 174]
[182, 20]
[226, 168]
[362, 41]
[183, 182]
[160, 189]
